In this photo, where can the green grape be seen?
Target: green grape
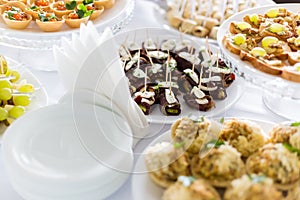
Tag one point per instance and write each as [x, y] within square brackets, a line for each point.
[297, 67]
[239, 39]
[21, 100]
[3, 65]
[254, 18]
[258, 52]
[26, 88]
[298, 30]
[3, 114]
[266, 41]
[243, 25]
[16, 74]
[273, 12]
[5, 94]
[276, 28]
[297, 41]
[16, 111]
[5, 84]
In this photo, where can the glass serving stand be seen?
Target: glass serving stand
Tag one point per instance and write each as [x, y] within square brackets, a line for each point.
[280, 96]
[31, 40]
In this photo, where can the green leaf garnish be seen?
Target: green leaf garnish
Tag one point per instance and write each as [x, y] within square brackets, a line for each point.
[71, 5]
[214, 143]
[291, 148]
[179, 144]
[295, 124]
[222, 120]
[86, 2]
[80, 14]
[10, 15]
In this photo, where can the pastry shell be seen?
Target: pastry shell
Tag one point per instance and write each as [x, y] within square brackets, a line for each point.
[14, 24]
[106, 3]
[59, 13]
[50, 26]
[99, 10]
[75, 23]
[17, 4]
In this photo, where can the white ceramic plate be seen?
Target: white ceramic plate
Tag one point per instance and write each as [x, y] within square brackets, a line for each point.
[160, 15]
[234, 92]
[39, 98]
[250, 73]
[33, 37]
[71, 153]
[143, 188]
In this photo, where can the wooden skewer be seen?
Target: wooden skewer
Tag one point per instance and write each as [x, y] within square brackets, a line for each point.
[193, 8]
[167, 66]
[150, 59]
[200, 76]
[181, 11]
[146, 72]
[170, 82]
[127, 51]
[138, 65]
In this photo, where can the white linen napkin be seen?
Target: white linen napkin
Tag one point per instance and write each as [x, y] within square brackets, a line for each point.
[91, 62]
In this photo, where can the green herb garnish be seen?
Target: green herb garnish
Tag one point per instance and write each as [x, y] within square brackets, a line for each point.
[179, 144]
[34, 8]
[86, 2]
[295, 124]
[214, 143]
[10, 15]
[195, 119]
[82, 11]
[222, 120]
[71, 5]
[291, 148]
[44, 18]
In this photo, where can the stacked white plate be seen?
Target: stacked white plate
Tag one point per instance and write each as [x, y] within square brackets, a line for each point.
[69, 151]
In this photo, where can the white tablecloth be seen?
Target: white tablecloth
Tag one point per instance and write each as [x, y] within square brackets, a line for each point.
[250, 104]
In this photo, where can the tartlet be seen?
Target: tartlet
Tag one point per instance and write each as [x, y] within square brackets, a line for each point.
[49, 22]
[97, 10]
[59, 8]
[16, 4]
[75, 23]
[106, 3]
[17, 24]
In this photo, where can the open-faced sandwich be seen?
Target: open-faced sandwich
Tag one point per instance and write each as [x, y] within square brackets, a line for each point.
[269, 41]
[202, 18]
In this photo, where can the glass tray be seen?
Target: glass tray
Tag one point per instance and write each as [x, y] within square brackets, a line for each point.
[280, 96]
[33, 38]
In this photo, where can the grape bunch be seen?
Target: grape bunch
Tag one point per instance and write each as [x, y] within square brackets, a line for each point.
[15, 94]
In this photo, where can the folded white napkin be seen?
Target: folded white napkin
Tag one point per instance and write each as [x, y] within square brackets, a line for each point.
[91, 62]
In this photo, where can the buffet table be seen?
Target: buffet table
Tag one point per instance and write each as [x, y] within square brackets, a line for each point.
[250, 104]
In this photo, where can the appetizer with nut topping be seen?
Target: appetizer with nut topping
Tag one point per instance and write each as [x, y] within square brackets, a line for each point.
[277, 162]
[189, 188]
[252, 187]
[244, 135]
[166, 162]
[219, 166]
